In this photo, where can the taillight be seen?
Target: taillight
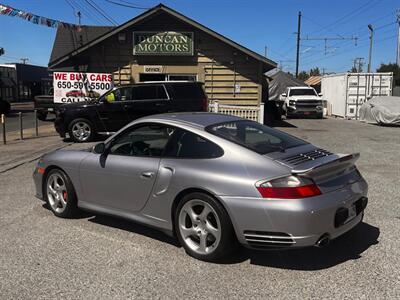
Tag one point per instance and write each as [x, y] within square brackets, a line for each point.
[205, 104]
[290, 187]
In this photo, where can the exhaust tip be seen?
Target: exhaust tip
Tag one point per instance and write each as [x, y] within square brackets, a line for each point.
[323, 241]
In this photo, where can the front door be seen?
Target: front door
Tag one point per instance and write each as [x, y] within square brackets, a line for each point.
[123, 178]
[113, 110]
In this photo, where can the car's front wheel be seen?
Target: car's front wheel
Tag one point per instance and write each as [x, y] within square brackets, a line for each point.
[81, 130]
[60, 194]
[203, 227]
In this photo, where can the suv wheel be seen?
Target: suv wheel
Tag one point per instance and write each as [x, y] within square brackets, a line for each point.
[81, 130]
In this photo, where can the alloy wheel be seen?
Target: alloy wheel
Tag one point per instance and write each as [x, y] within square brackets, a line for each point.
[81, 131]
[199, 226]
[57, 192]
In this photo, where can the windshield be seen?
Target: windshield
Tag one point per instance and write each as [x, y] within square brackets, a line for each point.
[302, 92]
[255, 136]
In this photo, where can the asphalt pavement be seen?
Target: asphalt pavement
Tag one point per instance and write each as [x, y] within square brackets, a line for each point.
[100, 257]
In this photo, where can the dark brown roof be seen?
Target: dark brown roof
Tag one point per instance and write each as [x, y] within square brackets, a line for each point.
[267, 63]
[68, 40]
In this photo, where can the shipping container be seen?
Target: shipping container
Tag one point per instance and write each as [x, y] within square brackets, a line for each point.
[346, 92]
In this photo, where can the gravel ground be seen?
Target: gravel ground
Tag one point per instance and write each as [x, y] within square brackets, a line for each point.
[98, 257]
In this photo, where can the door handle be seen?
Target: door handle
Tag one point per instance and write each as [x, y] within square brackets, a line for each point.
[147, 174]
[160, 104]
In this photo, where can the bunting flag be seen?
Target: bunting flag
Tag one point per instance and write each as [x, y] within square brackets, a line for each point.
[35, 19]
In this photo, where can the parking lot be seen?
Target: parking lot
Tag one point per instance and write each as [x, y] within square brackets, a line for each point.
[100, 257]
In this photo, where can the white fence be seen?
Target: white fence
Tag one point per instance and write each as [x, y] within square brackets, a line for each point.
[255, 113]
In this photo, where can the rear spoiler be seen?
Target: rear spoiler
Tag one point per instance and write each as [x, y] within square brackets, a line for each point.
[342, 161]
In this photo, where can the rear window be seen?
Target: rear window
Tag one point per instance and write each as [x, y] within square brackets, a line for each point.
[185, 144]
[149, 92]
[188, 91]
[255, 136]
[302, 92]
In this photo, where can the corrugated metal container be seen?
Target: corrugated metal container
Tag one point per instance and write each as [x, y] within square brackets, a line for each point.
[346, 92]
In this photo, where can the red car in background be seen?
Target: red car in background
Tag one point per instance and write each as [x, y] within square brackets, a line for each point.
[75, 93]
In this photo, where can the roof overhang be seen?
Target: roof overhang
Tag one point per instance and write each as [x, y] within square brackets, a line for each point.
[269, 63]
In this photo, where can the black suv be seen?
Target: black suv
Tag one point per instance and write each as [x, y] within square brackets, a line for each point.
[106, 115]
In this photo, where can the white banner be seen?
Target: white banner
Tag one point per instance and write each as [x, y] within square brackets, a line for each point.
[74, 86]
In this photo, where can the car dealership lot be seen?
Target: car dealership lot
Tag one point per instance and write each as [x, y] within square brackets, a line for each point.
[42, 256]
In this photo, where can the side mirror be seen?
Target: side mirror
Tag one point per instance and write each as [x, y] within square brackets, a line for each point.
[99, 148]
[283, 94]
[320, 94]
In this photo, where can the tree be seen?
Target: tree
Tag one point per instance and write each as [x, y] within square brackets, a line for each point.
[303, 75]
[315, 72]
[391, 67]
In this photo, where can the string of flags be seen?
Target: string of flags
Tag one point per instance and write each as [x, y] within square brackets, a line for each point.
[35, 19]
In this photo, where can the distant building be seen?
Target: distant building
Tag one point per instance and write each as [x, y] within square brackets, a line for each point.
[22, 82]
[314, 82]
[163, 45]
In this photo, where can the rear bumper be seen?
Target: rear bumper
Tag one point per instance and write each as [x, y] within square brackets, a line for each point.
[264, 223]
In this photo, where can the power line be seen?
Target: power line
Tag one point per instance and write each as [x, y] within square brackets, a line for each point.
[87, 12]
[352, 13]
[101, 12]
[127, 4]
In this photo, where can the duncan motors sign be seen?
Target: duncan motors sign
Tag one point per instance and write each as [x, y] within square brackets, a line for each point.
[162, 43]
[75, 87]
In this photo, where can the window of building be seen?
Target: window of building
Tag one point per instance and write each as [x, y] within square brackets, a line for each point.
[175, 77]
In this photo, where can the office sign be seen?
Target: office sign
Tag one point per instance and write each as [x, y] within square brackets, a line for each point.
[152, 69]
[75, 87]
[162, 43]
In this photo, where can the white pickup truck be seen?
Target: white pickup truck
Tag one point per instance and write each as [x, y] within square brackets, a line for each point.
[302, 101]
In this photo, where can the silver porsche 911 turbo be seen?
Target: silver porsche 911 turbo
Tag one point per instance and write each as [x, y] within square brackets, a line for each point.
[211, 180]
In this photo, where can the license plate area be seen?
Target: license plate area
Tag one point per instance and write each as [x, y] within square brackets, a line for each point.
[345, 215]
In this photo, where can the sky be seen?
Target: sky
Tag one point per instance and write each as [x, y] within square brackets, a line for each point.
[255, 24]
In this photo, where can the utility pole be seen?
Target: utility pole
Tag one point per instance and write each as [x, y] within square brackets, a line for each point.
[298, 44]
[371, 37]
[79, 15]
[398, 39]
[24, 60]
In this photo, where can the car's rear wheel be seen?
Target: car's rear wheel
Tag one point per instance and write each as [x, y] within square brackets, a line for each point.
[81, 130]
[60, 194]
[203, 227]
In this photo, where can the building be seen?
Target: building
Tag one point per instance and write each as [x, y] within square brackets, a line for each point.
[162, 44]
[314, 82]
[22, 82]
[8, 82]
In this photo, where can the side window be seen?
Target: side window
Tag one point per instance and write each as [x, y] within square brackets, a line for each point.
[149, 92]
[185, 144]
[121, 94]
[147, 140]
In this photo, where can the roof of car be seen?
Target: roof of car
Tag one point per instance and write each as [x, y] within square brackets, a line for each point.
[300, 87]
[199, 119]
